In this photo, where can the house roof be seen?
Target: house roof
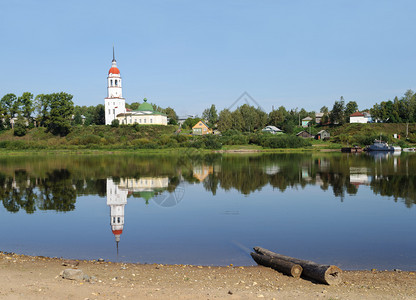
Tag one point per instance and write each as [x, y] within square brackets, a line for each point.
[357, 114]
[201, 122]
[271, 127]
[303, 132]
[307, 119]
[322, 131]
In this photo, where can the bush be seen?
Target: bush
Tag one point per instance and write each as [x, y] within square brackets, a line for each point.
[212, 142]
[19, 129]
[115, 123]
[284, 141]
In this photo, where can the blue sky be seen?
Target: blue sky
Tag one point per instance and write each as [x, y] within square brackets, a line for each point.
[191, 54]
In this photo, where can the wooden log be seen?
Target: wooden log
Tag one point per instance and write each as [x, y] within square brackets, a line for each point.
[280, 265]
[322, 273]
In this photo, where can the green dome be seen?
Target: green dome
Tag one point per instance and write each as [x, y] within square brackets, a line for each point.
[145, 106]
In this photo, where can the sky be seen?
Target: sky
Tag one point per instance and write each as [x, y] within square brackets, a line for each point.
[190, 54]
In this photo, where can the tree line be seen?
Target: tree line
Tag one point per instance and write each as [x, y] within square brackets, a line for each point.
[56, 112]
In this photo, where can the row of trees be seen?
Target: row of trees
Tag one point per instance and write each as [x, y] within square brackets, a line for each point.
[56, 112]
[401, 110]
[53, 111]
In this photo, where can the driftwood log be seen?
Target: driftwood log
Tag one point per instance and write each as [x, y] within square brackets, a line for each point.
[280, 265]
[322, 273]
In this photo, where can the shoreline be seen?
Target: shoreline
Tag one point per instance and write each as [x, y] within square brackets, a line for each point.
[38, 277]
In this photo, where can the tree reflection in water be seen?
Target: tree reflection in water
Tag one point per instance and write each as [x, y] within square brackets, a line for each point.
[53, 183]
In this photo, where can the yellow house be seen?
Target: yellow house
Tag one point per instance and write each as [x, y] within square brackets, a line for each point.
[201, 128]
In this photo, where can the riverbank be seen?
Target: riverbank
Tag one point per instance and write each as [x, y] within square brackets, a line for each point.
[30, 277]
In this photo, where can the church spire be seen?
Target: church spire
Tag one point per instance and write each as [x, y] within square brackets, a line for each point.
[114, 58]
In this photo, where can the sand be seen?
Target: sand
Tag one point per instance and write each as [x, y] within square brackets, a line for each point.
[30, 277]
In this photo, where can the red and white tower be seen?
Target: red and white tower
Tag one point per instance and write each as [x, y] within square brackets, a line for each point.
[114, 103]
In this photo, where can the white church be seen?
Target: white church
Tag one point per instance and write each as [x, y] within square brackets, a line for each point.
[115, 104]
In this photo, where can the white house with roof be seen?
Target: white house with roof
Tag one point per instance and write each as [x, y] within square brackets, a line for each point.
[358, 117]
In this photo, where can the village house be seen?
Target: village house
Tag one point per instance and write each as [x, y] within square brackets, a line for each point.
[304, 134]
[322, 135]
[272, 129]
[318, 117]
[306, 121]
[201, 128]
[358, 117]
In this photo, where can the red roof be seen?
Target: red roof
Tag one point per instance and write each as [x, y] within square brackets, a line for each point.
[114, 70]
[357, 114]
[117, 232]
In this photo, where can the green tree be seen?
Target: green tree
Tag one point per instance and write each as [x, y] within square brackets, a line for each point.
[99, 115]
[61, 110]
[210, 115]
[350, 108]
[8, 104]
[26, 105]
[20, 126]
[225, 121]
[42, 105]
[77, 118]
[324, 109]
[172, 116]
[337, 114]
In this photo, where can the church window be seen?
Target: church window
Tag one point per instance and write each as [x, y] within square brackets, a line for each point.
[115, 82]
[114, 219]
[111, 82]
[118, 219]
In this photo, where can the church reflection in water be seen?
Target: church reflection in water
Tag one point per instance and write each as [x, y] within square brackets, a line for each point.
[118, 192]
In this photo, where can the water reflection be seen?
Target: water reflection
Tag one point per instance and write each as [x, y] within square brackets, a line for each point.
[53, 183]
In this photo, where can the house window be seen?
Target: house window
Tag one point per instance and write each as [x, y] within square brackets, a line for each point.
[109, 111]
[144, 120]
[151, 120]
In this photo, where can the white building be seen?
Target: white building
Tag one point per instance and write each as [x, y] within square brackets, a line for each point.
[144, 115]
[114, 103]
[358, 117]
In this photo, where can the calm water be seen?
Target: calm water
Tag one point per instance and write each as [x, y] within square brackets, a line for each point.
[354, 211]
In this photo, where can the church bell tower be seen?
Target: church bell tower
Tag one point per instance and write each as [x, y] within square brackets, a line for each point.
[114, 103]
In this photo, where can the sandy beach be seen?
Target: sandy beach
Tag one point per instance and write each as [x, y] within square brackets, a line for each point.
[30, 277]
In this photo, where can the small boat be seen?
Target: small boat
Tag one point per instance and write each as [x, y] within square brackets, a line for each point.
[379, 145]
[409, 149]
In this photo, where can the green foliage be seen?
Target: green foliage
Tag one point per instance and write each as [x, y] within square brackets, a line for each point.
[337, 115]
[61, 110]
[190, 122]
[20, 127]
[284, 141]
[211, 116]
[115, 123]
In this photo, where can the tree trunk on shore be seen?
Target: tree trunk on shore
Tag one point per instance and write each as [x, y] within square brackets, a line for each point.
[280, 265]
[323, 273]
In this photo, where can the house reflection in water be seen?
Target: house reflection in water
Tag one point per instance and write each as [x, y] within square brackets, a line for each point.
[117, 194]
[201, 172]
